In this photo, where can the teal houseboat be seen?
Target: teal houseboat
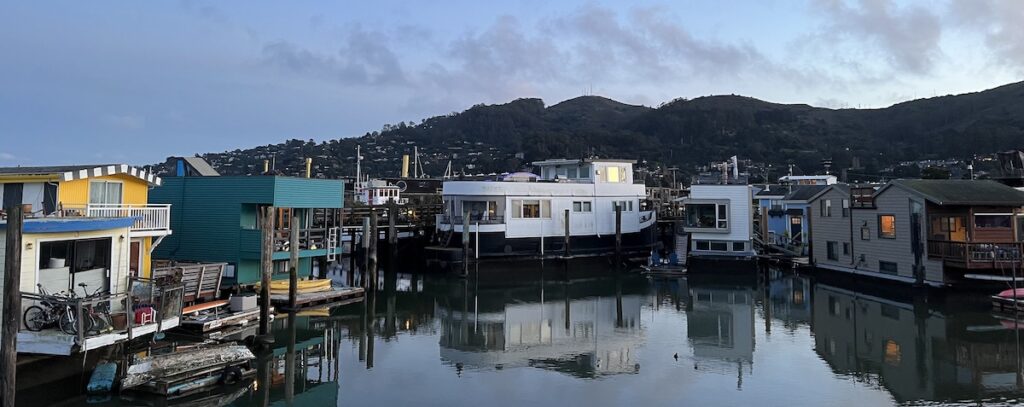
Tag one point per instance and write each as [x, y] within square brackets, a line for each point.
[217, 218]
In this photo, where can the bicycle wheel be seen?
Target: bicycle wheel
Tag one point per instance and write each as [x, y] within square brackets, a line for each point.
[70, 326]
[35, 318]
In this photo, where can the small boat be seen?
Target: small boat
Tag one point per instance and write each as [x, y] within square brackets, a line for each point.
[304, 286]
[190, 371]
[664, 267]
[1009, 300]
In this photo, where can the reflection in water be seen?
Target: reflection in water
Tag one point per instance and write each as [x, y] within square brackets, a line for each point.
[583, 336]
[916, 352]
[587, 335]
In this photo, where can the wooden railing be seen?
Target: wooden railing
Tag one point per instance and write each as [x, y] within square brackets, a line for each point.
[201, 281]
[309, 239]
[149, 218]
[473, 219]
[976, 254]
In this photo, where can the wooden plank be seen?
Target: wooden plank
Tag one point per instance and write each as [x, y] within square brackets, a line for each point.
[11, 311]
[205, 306]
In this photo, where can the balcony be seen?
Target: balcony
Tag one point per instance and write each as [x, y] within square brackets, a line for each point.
[473, 220]
[976, 255]
[150, 219]
[309, 239]
[63, 325]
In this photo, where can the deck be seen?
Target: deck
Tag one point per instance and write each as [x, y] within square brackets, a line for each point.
[337, 296]
[53, 342]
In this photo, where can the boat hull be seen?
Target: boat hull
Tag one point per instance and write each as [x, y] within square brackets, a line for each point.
[496, 245]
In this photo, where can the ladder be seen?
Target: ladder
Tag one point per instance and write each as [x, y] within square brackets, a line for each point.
[332, 243]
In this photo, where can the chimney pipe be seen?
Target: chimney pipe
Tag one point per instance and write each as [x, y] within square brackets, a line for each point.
[309, 167]
[266, 166]
[405, 165]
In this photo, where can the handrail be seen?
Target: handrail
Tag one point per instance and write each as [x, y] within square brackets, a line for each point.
[148, 217]
[483, 220]
[976, 252]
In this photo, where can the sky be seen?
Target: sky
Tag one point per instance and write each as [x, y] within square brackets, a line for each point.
[136, 82]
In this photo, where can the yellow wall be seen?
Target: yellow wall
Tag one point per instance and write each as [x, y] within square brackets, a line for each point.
[76, 193]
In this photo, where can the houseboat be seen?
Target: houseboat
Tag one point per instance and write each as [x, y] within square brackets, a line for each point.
[216, 220]
[525, 214]
[924, 232]
[85, 252]
[719, 222]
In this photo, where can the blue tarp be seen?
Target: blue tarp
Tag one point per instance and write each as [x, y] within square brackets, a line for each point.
[62, 225]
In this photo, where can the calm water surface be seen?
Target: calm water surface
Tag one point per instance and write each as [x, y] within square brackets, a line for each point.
[547, 335]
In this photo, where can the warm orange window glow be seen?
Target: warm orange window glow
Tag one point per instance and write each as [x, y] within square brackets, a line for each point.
[887, 226]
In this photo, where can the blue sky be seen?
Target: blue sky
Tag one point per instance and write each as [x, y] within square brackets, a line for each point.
[98, 81]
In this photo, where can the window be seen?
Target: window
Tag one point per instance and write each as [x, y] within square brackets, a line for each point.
[991, 220]
[739, 246]
[581, 206]
[887, 226]
[833, 250]
[707, 216]
[105, 192]
[573, 173]
[531, 208]
[614, 174]
[846, 208]
[481, 210]
[720, 246]
[948, 228]
[846, 248]
[828, 208]
[627, 206]
[888, 267]
[703, 245]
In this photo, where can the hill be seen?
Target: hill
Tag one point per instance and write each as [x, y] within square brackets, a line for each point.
[685, 133]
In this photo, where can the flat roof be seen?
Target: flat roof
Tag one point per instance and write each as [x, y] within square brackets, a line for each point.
[72, 224]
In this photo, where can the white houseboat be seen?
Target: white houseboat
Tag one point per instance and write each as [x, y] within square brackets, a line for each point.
[523, 214]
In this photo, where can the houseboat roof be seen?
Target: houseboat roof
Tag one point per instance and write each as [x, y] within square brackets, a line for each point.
[74, 172]
[960, 192]
[805, 192]
[563, 161]
[73, 224]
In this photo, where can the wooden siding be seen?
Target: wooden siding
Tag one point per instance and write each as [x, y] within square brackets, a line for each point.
[207, 215]
[893, 201]
[835, 228]
[76, 192]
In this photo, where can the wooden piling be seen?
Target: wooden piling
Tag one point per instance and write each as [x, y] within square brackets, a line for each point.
[618, 230]
[568, 250]
[392, 230]
[293, 260]
[266, 268]
[374, 240]
[465, 242]
[11, 307]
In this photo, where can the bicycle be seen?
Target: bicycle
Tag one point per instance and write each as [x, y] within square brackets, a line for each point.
[98, 316]
[58, 311]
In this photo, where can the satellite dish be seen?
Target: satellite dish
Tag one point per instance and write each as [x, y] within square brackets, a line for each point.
[401, 186]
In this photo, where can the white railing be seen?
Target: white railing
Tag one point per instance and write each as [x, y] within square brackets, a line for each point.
[148, 218]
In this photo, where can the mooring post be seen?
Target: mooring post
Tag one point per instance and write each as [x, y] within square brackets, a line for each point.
[465, 242]
[351, 251]
[618, 230]
[11, 306]
[374, 240]
[476, 248]
[266, 268]
[568, 250]
[366, 252]
[293, 260]
[392, 230]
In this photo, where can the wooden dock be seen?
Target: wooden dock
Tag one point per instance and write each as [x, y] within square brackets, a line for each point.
[211, 322]
[336, 296]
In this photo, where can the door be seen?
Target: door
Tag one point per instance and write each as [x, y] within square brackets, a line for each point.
[796, 229]
[916, 243]
[135, 258]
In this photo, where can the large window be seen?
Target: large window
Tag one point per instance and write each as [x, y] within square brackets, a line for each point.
[531, 208]
[627, 206]
[832, 249]
[614, 174]
[481, 210]
[826, 207]
[707, 216]
[846, 208]
[952, 228]
[105, 192]
[991, 220]
[887, 226]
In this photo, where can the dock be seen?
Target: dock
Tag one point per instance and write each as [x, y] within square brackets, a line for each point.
[336, 296]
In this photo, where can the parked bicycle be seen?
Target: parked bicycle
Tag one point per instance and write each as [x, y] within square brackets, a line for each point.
[97, 315]
[54, 309]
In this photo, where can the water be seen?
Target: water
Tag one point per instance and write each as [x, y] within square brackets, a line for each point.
[547, 335]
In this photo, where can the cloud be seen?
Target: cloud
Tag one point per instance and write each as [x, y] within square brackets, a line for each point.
[1000, 22]
[907, 36]
[124, 122]
[364, 58]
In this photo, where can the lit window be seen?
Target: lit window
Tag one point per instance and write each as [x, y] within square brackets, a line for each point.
[887, 226]
[611, 174]
[893, 354]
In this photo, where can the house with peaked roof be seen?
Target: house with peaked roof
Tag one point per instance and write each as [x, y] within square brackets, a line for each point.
[931, 232]
[95, 191]
[783, 215]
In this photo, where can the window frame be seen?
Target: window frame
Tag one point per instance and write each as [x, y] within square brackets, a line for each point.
[881, 233]
[106, 184]
[832, 250]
